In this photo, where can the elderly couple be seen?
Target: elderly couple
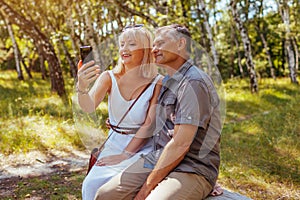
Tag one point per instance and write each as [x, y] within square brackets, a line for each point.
[168, 144]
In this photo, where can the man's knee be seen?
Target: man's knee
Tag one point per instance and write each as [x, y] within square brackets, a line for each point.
[104, 193]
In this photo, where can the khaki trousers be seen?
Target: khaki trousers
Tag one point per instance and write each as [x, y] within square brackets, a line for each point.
[176, 186]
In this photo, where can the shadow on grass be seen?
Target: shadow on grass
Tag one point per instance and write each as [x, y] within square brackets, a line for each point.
[266, 151]
[271, 97]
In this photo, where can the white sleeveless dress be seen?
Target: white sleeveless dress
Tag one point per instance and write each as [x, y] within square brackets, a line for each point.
[116, 143]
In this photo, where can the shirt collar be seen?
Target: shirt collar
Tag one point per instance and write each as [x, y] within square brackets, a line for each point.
[177, 76]
[168, 81]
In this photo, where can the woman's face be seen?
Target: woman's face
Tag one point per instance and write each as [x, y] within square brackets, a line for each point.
[131, 51]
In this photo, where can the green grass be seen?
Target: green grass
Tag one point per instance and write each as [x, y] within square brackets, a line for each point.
[260, 140]
[260, 144]
[33, 118]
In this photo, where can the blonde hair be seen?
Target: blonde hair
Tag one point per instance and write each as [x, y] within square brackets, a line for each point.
[143, 36]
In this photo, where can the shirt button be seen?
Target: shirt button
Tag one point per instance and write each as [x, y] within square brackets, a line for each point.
[189, 117]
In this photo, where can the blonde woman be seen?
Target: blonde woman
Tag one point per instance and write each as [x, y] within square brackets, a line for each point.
[123, 85]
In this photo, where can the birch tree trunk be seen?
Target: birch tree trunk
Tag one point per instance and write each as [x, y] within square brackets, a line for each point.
[237, 46]
[202, 8]
[283, 9]
[247, 47]
[294, 42]
[259, 30]
[92, 39]
[47, 50]
[73, 68]
[266, 47]
[15, 47]
[24, 64]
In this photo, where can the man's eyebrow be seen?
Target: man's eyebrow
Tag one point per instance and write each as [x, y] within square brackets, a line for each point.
[158, 40]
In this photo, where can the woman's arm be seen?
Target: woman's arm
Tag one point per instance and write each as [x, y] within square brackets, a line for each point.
[146, 130]
[89, 100]
[140, 138]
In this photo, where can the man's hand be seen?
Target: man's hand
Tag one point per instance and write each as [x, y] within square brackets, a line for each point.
[143, 193]
[172, 155]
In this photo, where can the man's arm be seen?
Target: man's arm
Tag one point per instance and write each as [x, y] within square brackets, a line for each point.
[171, 156]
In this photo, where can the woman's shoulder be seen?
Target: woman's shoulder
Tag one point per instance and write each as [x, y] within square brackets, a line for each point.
[160, 78]
[158, 82]
[105, 75]
[105, 78]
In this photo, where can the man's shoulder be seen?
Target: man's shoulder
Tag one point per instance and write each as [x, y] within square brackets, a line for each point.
[197, 74]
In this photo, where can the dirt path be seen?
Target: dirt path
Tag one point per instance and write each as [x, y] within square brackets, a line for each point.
[37, 163]
[16, 169]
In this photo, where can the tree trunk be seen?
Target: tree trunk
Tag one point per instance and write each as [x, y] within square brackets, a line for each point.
[26, 69]
[294, 42]
[239, 58]
[247, 47]
[73, 68]
[203, 39]
[24, 65]
[184, 12]
[283, 9]
[266, 47]
[15, 47]
[42, 65]
[47, 50]
[75, 38]
[283, 53]
[92, 39]
[258, 28]
[237, 46]
[291, 61]
[232, 56]
[214, 52]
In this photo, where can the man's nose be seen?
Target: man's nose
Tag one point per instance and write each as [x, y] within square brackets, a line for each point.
[154, 49]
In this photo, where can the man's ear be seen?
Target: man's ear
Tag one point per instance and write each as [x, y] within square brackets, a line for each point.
[182, 43]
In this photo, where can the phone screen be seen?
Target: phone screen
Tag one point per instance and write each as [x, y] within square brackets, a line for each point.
[86, 53]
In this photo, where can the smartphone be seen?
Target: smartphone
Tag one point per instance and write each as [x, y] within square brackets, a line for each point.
[86, 54]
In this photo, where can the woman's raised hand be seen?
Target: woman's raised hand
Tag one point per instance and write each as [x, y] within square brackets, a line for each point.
[87, 73]
[111, 160]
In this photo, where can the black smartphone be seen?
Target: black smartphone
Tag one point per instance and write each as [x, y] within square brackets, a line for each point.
[86, 54]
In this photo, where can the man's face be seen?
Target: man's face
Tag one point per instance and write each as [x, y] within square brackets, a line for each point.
[165, 48]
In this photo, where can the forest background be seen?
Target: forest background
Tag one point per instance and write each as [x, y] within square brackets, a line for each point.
[253, 43]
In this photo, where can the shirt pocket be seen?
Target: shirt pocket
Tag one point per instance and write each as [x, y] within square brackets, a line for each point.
[169, 104]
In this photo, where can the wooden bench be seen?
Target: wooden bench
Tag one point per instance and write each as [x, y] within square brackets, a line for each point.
[228, 195]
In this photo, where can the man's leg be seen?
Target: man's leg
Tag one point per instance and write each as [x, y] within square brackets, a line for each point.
[126, 184]
[179, 186]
